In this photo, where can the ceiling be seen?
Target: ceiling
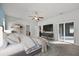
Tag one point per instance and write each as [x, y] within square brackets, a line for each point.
[23, 10]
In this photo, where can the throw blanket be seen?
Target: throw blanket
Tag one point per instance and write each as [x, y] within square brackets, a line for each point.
[28, 44]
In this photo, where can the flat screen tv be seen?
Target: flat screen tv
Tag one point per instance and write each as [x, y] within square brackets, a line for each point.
[48, 27]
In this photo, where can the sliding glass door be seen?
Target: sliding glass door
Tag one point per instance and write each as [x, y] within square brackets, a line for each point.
[66, 32]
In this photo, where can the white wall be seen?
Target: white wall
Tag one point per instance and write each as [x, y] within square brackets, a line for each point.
[11, 20]
[66, 17]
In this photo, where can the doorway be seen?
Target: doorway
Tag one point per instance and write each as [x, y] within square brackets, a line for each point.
[66, 32]
[28, 30]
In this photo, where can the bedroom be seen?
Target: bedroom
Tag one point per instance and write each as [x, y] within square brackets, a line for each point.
[62, 16]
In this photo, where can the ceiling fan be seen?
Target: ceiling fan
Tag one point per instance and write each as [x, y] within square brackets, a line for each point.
[36, 17]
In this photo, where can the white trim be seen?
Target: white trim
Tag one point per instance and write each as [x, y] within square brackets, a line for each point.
[64, 31]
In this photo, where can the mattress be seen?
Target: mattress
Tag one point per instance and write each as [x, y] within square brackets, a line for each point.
[14, 49]
[28, 45]
[17, 48]
[11, 49]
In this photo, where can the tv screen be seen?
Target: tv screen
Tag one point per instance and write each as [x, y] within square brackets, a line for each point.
[48, 27]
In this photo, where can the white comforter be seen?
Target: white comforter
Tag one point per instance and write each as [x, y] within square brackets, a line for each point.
[26, 44]
[11, 49]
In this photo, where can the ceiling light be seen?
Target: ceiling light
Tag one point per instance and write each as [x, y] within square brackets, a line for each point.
[35, 18]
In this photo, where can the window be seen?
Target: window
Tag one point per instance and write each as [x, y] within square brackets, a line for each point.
[66, 29]
[61, 29]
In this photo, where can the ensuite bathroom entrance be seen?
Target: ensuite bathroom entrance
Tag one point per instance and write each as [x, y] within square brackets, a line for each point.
[66, 32]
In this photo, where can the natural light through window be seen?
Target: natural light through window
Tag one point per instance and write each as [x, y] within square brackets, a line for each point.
[71, 30]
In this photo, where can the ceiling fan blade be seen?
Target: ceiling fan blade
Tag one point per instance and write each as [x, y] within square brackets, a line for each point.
[41, 17]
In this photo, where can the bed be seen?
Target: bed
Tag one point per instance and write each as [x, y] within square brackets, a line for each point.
[18, 50]
[11, 49]
[21, 49]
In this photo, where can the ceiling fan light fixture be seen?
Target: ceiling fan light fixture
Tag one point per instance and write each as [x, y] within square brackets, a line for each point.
[35, 18]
